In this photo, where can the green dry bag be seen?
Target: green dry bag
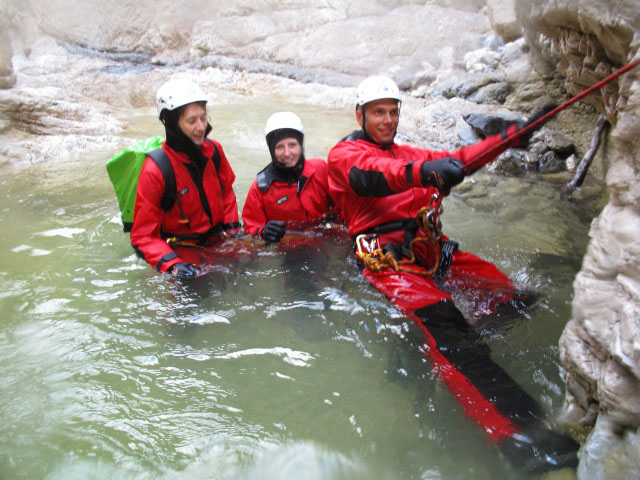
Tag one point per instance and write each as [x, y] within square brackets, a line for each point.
[124, 168]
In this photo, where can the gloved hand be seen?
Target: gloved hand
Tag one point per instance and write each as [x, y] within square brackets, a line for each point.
[232, 230]
[443, 174]
[184, 270]
[273, 231]
[523, 141]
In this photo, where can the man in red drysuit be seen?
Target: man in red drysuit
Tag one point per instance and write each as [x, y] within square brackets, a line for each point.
[379, 187]
[290, 190]
[205, 205]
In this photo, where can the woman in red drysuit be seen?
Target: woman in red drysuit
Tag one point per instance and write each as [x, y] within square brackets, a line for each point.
[290, 190]
[205, 205]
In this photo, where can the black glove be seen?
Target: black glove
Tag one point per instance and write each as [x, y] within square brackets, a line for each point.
[184, 270]
[443, 174]
[273, 231]
[523, 141]
[232, 230]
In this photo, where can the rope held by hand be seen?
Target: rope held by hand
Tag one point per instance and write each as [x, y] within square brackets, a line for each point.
[490, 154]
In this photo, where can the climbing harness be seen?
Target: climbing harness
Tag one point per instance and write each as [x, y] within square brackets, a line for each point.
[216, 233]
[427, 220]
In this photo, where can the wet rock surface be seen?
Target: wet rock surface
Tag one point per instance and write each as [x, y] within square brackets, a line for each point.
[446, 50]
[548, 151]
[7, 78]
[600, 347]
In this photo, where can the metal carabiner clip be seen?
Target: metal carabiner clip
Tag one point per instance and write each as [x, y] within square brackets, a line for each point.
[366, 244]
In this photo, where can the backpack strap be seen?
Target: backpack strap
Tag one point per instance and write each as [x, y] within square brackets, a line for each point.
[164, 164]
[159, 156]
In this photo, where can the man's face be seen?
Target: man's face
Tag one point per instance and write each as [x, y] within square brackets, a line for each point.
[288, 152]
[193, 122]
[380, 119]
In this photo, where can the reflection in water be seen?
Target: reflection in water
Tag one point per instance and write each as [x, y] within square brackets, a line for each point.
[281, 358]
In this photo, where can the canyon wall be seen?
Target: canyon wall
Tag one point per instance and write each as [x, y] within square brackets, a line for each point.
[584, 41]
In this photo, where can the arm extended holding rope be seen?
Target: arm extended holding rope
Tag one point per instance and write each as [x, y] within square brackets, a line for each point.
[539, 119]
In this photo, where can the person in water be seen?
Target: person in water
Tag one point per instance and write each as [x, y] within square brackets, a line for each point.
[379, 187]
[205, 206]
[291, 189]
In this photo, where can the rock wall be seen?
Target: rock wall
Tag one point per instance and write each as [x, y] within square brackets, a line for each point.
[434, 49]
[600, 347]
[7, 78]
[357, 37]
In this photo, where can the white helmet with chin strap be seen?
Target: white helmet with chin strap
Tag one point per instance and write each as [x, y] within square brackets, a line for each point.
[279, 126]
[177, 93]
[377, 88]
[283, 120]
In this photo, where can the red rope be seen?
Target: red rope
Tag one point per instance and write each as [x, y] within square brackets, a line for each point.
[489, 155]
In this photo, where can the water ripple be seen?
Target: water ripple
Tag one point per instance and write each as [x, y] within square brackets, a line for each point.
[296, 358]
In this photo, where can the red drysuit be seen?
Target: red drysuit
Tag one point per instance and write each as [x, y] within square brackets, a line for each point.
[271, 198]
[205, 205]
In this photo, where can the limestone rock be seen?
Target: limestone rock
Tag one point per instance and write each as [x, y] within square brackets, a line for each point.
[503, 19]
[338, 36]
[510, 163]
[7, 78]
[486, 125]
[482, 60]
[494, 93]
[550, 162]
[600, 347]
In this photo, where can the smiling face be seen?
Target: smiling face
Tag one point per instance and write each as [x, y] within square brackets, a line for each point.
[193, 122]
[288, 152]
[380, 119]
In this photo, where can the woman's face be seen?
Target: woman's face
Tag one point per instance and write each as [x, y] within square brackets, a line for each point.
[288, 152]
[193, 122]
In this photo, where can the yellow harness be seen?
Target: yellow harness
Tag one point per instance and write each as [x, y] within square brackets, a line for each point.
[370, 253]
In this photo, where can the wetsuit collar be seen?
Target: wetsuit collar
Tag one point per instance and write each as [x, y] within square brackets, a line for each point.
[271, 174]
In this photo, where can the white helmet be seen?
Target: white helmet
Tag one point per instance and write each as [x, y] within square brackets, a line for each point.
[178, 92]
[280, 120]
[376, 88]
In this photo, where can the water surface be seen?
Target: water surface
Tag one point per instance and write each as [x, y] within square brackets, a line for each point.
[280, 363]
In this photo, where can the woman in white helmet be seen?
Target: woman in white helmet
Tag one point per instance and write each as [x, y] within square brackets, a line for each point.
[203, 203]
[289, 189]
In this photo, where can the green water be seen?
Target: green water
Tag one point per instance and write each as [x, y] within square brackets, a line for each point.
[276, 365]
